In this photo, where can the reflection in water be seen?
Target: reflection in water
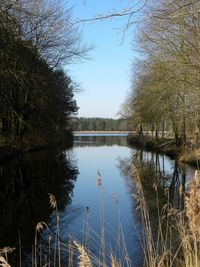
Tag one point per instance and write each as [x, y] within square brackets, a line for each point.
[157, 172]
[25, 182]
[162, 179]
[169, 182]
[100, 140]
[163, 185]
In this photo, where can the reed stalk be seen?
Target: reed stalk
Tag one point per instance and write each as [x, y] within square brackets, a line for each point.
[161, 249]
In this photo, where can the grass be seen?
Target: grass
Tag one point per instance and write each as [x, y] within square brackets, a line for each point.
[176, 243]
[191, 156]
[50, 251]
[165, 146]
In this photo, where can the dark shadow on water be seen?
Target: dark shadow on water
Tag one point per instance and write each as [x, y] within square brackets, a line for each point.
[25, 182]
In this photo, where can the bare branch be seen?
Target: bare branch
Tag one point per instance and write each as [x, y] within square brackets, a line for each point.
[127, 12]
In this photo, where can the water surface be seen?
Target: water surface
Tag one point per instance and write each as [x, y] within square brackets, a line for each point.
[71, 175]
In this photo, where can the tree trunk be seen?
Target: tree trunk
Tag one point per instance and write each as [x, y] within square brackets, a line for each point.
[157, 132]
[175, 130]
[140, 130]
[183, 131]
[163, 128]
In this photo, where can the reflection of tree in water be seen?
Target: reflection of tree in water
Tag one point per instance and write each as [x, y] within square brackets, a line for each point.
[162, 183]
[99, 140]
[25, 182]
[158, 182]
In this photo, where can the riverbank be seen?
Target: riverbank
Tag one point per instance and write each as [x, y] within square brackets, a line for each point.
[168, 147]
[13, 149]
[165, 146]
[191, 157]
[8, 152]
[103, 132]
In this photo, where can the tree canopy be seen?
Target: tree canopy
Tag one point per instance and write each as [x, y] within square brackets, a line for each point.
[36, 96]
[165, 85]
[100, 124]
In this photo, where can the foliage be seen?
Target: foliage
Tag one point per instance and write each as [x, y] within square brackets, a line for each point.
[36, 100]
[100, 124]
[165, 84]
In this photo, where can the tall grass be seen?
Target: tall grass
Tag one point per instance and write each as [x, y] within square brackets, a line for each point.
[49, 250]
[175, 243]
[4, 256]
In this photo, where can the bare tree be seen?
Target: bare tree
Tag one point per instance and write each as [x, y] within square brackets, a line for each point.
[167, 86]
[48, 25]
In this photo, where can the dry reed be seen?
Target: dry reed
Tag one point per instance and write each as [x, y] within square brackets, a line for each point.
[52, 201]
[114, 262]
[155, 245]
[157, 251]
[4, 256]
[182, 227]
[190, 228]
[83, 258]
[3, 262]
[192, 202]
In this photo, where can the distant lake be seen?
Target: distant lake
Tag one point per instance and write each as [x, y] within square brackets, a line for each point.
[71, 175]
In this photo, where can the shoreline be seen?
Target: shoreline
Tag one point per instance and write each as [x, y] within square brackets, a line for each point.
[168, 147]
[8, 152]
[165, 146]
[103, 132]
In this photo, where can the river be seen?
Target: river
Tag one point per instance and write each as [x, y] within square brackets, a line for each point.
[93, 186]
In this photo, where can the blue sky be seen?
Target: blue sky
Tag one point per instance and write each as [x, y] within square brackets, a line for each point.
[105, 78]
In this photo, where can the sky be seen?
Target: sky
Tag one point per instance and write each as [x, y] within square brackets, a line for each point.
[104, 79]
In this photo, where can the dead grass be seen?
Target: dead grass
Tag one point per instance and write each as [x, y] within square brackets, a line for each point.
[3, 262]
[83, 258]
[177, 244]
[78, 253]
[192, 202]
[191, 156]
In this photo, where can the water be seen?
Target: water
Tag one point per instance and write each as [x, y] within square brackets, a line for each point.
[71, 175]
[104, 155]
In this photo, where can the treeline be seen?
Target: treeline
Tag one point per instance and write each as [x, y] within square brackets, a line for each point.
[100, 124]
[36, 96]
[166, 81]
